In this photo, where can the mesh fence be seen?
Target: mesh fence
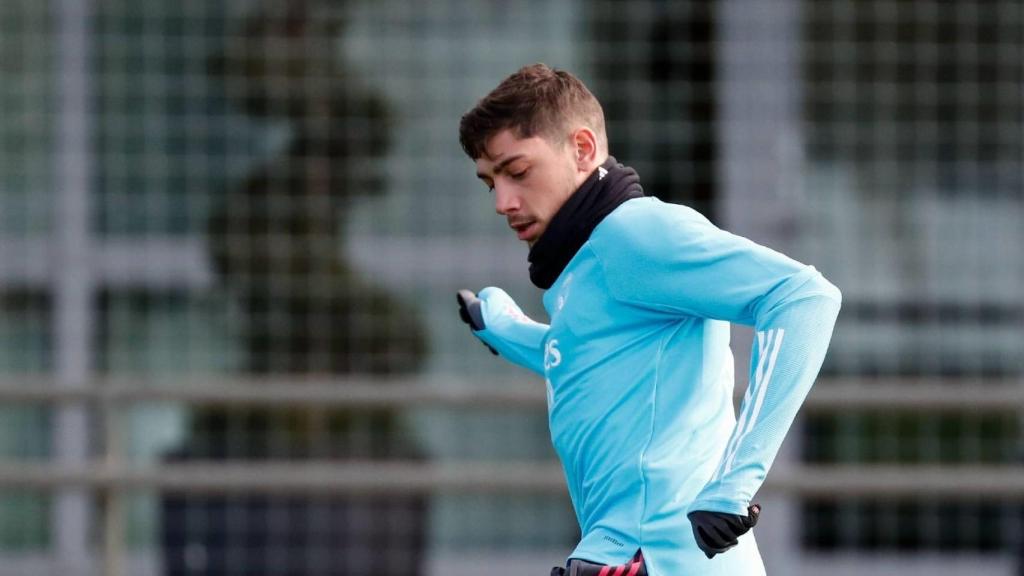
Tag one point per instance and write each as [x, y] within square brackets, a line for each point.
[913, 115]
[272, 193]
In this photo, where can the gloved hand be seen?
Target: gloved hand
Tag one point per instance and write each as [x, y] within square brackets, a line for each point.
[716, 532]
[470, 312]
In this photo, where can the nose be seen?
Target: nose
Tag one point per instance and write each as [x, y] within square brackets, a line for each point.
[505, 201]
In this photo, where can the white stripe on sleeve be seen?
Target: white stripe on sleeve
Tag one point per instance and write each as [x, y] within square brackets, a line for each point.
[768, 345]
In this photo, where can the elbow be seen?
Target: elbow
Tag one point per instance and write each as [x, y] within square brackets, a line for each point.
[820, 286]
[830, 291]
[809, 289]
[829, 297]
[819, 291]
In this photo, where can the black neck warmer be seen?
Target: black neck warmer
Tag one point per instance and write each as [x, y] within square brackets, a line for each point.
[603, 191]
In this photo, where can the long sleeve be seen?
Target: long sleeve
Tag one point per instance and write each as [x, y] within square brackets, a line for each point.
[511, 333]
[789, 347]
[678, 263]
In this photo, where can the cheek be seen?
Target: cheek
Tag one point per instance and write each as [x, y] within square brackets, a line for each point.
[547, 192]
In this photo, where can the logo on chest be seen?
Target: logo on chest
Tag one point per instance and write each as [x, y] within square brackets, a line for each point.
[552, 356]
[563, 293]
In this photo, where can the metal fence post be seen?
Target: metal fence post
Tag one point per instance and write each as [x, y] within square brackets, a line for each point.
[71, 276]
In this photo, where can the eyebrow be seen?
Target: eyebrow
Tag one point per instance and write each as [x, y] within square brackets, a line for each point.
[501, 165]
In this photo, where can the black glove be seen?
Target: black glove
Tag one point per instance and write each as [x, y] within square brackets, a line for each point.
[469, 311]
[716, 532]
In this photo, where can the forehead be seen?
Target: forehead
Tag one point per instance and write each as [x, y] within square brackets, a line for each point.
[506, 144]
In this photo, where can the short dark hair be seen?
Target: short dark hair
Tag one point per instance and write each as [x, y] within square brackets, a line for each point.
[536, 100]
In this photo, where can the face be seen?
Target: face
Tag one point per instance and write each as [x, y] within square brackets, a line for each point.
[530, 179]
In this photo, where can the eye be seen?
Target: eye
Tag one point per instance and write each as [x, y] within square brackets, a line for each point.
[519, 175]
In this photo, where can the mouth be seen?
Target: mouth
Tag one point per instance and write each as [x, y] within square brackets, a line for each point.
[524, 230]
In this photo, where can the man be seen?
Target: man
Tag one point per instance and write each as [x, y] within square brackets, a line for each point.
[636, 357]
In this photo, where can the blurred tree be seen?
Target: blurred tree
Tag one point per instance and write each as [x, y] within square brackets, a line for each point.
[276, 238]
[276, 243]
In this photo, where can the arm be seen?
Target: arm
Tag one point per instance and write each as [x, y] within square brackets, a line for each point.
[789, 348]
[790, 344]
[498, 321]
[679, 263]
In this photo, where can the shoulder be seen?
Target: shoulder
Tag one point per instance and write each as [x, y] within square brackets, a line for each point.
[653, 241]
[650, 210]
[646, 227]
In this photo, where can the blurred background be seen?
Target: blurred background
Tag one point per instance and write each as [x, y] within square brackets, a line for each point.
[231, 233]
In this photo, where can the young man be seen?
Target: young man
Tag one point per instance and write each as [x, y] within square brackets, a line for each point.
[636, 358]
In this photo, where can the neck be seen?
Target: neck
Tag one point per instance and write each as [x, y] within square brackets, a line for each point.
[607, 186]
[585, 172]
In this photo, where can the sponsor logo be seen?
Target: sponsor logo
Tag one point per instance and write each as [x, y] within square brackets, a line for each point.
[614, 541]
[552, 357]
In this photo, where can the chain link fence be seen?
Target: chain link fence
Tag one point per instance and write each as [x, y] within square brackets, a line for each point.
[231, 234]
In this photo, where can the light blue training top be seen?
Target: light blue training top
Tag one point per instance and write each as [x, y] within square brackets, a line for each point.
[640, 378]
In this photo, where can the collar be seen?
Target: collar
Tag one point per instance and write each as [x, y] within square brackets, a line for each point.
[603, 191]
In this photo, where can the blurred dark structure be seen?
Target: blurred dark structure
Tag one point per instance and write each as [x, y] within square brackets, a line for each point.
[657, 69]
[276, 244]
[926, 113]
[154, 204]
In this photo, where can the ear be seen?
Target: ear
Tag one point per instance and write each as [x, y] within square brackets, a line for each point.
[584, 146]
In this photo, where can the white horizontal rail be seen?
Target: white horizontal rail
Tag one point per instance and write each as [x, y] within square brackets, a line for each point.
[394, 478]
[918, 394]
[352, 393]
[951, 481]
[829, 394]
[184, 262]
[517, 562]
[359, 478]
[913, 481]
[153, 262]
